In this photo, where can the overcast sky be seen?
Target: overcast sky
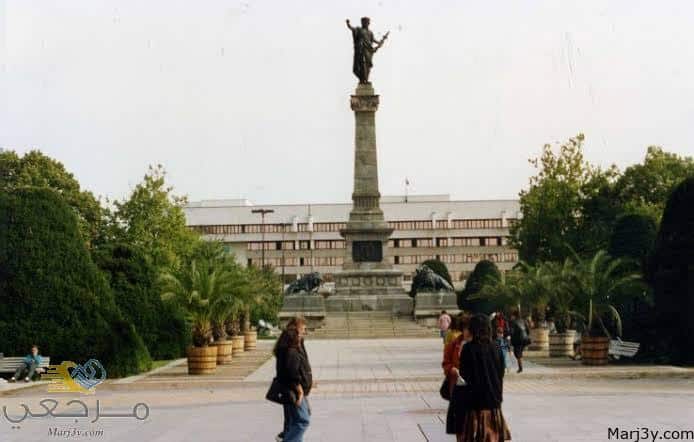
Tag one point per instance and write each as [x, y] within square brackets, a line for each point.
[251, 98]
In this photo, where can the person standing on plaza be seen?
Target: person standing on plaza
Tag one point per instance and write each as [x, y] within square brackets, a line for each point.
[478, 412]
[451, 367]
[520, 337]
[299, 324]
[444, 322]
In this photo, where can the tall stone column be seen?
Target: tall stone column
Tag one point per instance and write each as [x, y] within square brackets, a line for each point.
[366, 196]
[367, 280]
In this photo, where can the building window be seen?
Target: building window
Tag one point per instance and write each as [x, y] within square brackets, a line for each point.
[396, 259]
[305, 245]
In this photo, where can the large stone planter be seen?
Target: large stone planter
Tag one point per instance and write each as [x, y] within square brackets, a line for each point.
[428, 306]
[237, 345]
[309, 306]
[202, 360]
[594, 350]
[562, 344]
[540, 340]
[224, 351]
[250, 338]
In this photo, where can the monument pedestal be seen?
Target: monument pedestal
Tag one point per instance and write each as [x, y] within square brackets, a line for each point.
[428, 306]
[369, 290]
[310, 306]
[367, 280]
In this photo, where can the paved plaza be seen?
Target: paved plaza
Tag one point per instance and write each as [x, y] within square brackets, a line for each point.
[368, 390]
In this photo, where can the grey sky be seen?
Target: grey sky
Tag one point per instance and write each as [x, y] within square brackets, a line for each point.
[250, 98]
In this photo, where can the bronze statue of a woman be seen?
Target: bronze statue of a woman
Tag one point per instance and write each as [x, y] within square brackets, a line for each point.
[365, 45]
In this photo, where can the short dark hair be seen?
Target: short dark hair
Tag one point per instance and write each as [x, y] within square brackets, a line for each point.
[35, 346]
[480, 328]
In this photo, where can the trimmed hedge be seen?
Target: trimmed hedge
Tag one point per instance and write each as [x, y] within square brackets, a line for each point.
[133, 280]
[51, 292]
[671, 272]
[485, 272]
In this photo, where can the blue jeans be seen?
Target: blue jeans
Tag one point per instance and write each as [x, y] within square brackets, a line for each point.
[297, 421]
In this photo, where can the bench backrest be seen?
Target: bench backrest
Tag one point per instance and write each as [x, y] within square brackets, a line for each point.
[623, 348]
[11, 364]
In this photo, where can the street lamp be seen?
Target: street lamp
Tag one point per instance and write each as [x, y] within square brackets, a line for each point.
[262, 213]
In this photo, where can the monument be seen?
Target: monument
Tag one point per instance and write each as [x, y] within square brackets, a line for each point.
[367, 280]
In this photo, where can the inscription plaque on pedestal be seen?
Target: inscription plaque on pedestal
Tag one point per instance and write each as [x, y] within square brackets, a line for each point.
[367, 251]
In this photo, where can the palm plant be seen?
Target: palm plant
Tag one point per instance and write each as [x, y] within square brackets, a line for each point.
[525, 285]
[596, 282]
[202, 290]
[562, 293]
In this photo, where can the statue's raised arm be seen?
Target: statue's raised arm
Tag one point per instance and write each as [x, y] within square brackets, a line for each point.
[365, 45]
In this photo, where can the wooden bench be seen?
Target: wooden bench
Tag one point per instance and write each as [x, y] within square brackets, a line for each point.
[619, 348]
[10, 365]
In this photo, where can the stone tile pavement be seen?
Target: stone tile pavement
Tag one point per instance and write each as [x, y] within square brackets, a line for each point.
[375, 390]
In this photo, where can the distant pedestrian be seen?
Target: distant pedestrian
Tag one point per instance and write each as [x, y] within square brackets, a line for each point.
[451, 367]
[30, 365]
[444, 322]
[520, 337]
[454, 330]
[295, 375]
[502, 341]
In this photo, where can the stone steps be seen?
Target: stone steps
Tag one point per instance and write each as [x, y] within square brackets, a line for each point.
[364, 325]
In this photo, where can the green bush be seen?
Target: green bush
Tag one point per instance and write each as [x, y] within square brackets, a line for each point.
[137, 293]
[485, 272]
[671, 273]
[633, 239]
[51, 292]
[439, 268]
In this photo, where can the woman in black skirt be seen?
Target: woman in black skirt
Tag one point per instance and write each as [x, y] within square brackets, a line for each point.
[479, 418]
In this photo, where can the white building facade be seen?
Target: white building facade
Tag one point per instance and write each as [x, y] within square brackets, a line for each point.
[302, 238]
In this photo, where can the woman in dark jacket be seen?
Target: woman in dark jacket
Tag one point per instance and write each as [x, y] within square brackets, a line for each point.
[294, 374]
[479, 418]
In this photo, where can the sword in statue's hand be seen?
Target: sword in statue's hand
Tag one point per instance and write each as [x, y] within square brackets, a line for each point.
[380, 43]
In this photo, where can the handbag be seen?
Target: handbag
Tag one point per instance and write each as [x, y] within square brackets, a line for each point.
[279, 394]
[445, 391]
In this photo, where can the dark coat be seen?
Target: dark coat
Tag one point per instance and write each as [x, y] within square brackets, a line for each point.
[482, 367]
[293, 369]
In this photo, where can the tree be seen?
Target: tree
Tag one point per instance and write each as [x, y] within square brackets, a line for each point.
[671, 273]
[485, 273]
[551, 207]
[439, 268]
[644, 188]
[633, 237]
[133, 280]
[52, 293]
[35, 169]
[152, 220]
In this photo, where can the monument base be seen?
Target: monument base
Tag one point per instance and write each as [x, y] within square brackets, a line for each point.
[310, 306]
[428, 306]
[370, 290]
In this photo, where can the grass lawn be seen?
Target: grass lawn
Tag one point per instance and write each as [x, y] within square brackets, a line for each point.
[161, 363]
